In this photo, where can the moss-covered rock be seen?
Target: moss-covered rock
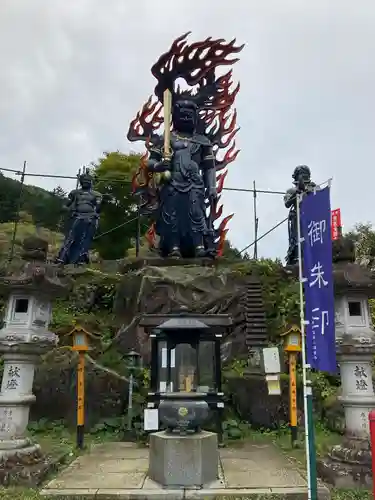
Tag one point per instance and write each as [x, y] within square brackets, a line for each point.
[204, 289]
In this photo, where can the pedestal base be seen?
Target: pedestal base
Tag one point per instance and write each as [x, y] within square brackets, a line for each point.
[183, 461]
[17, 448]
[347, 465]
[24, 466]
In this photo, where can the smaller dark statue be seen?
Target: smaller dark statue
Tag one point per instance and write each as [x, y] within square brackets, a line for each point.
[302, 184]
[84, 207]
[181, 176]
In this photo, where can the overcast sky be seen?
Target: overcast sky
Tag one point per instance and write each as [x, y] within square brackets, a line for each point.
[75, 72]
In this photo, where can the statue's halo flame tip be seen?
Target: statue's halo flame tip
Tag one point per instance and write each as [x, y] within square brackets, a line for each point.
[214, 96]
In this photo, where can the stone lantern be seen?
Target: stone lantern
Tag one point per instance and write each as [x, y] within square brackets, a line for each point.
[23, 338]
[185, 385]
[349, 464]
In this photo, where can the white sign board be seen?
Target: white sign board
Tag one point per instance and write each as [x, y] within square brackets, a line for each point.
[273, 383]
[151, 419]
[271, 359]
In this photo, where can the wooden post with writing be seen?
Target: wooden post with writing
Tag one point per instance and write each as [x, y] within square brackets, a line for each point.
[80, 399]
[293, 397]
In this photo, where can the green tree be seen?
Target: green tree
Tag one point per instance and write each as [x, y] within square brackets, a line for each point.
[46, 208]
[113, 174]
[232, 253]
[9, 196]
[363, 236]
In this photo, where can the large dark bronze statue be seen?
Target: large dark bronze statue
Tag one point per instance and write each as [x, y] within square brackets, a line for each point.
[302, 184]
[84, 209]
[181, 177]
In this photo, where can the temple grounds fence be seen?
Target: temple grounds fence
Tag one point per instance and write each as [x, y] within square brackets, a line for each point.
[23, 174]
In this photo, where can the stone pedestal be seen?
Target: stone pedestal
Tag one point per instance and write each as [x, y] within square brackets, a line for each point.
[183, 461]
[16, 395]
[348, 465]
[357, 397]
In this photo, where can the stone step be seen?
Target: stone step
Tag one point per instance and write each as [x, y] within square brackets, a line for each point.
[255, 335]
[252, 316]
[274, 493]
[250, 339]
[258, 333]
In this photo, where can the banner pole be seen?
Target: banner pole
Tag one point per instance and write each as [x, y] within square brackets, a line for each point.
[307, 392]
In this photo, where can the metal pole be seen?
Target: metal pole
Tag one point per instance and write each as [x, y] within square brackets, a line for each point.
[124, 181]
[307, 391]
[11, 253]
[276, 225]
[371, 417]
[130, 402]
[114, 228]
[244, 190]
[255, 223]
[265, 234]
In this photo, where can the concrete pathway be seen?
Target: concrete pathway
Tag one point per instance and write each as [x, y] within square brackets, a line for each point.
[119, 471]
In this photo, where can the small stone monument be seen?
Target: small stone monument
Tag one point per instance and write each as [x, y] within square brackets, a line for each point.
[349, 464]
[23, 338]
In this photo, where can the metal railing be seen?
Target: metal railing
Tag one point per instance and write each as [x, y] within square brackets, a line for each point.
[254, 191]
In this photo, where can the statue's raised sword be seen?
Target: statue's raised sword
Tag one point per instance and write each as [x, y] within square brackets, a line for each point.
[167, 103]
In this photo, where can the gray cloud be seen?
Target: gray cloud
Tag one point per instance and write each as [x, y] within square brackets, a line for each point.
[74, 73]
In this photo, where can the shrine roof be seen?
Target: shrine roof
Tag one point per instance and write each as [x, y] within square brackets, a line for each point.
[39, 276]
[185, 320]
[350, 276]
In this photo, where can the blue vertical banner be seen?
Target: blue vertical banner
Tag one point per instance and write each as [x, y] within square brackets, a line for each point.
[315, 210]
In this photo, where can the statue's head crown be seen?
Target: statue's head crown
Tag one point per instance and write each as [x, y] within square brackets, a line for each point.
[185, 101]
[303, 170]
[86, 177]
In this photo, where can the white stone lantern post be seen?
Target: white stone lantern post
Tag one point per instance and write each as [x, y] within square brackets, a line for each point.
[349, 464]
[355, 340]
[23, 338]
